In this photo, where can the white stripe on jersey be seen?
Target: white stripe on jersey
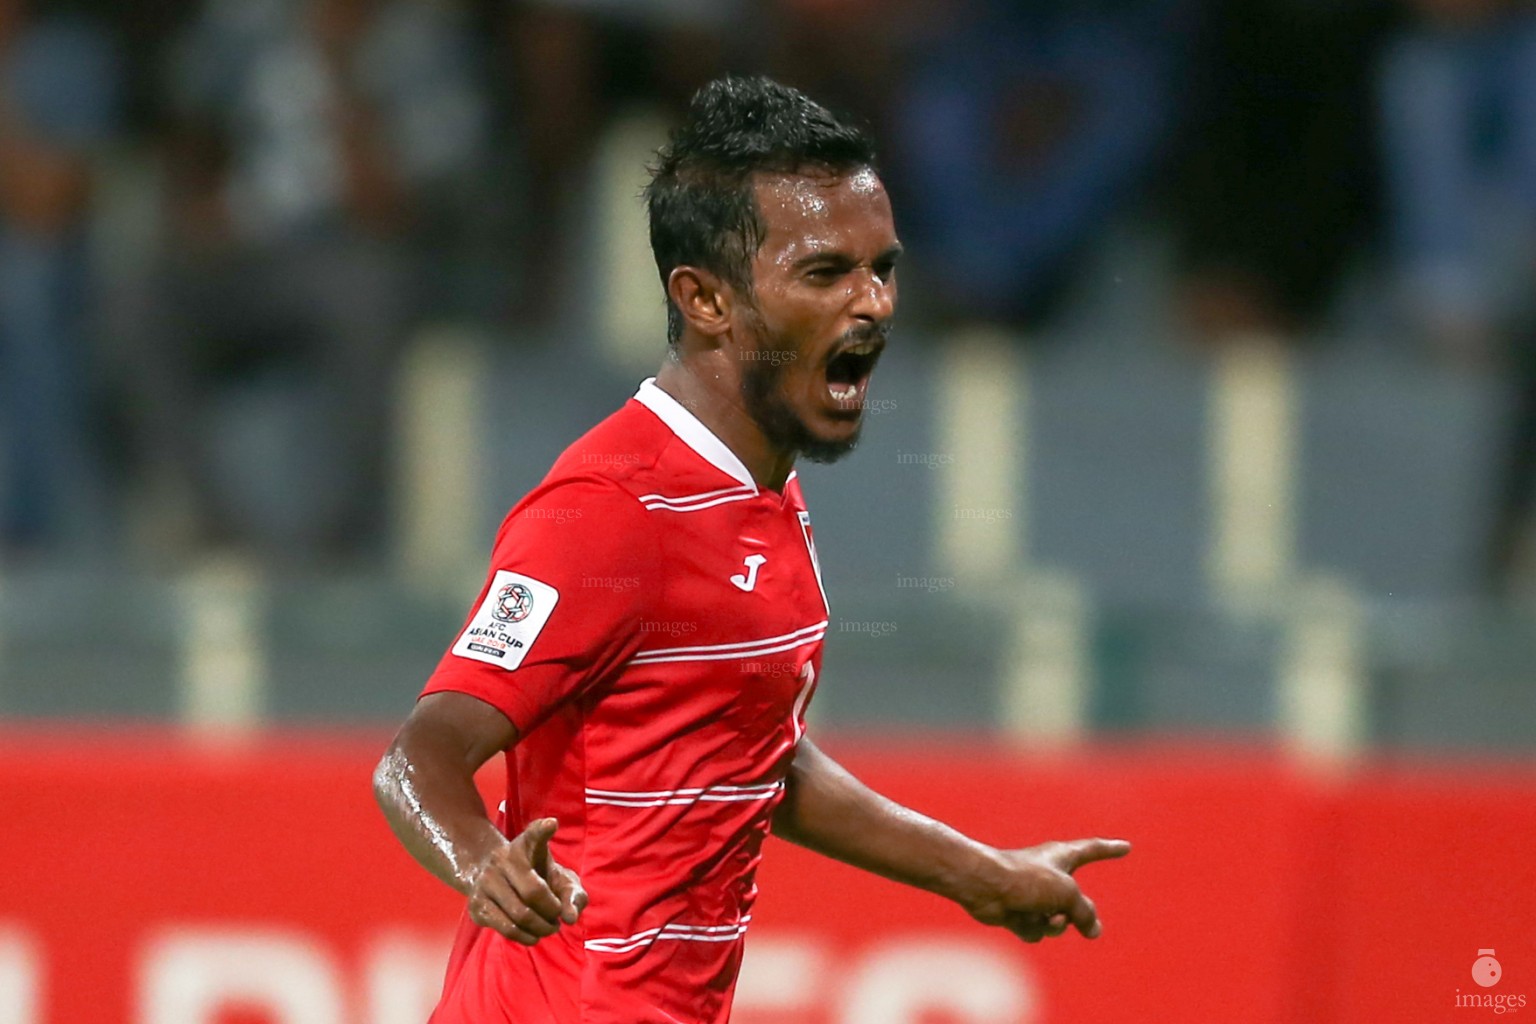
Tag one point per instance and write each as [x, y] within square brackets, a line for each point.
[680, 932]
[683, 499]
[683, 797]
[742, 649]
[695, 502]
[729, 655]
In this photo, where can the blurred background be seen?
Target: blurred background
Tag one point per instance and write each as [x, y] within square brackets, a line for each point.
[1211, 413]
[1215, 375]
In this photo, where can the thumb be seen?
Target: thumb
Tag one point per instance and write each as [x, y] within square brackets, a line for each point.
[536, 837]
[571, 893]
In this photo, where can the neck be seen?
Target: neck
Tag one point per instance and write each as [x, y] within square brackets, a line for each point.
[704, 388]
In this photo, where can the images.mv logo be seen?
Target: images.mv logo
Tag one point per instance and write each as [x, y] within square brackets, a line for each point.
[1488, 972]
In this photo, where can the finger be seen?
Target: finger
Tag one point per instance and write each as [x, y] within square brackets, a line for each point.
[1085, 916]
[504, 894]
[484, 912]
[568, 889]
[535, 839]
[1055, 926]
[1028, 927]
[1075, 854]
[536, 895]
[531, 853]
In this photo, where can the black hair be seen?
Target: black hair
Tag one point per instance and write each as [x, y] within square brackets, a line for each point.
[700, 198]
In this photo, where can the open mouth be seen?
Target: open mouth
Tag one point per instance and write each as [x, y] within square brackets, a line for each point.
[848, 373]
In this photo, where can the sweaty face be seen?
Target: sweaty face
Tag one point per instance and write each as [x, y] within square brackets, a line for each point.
[824, 291]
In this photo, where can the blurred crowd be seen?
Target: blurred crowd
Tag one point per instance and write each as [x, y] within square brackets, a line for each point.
[306, 182]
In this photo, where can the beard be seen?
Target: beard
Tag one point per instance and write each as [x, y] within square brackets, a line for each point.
[762, 394]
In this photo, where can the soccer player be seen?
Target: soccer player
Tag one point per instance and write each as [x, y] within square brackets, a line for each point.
[650, 630]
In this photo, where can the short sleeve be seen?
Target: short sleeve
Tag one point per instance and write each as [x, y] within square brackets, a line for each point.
[561, 606]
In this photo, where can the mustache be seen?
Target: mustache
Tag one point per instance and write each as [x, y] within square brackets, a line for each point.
[880, 332]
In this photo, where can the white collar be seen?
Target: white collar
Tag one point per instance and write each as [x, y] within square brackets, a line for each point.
[693, 432]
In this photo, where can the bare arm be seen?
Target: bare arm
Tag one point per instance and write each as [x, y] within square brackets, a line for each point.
[827, 810]
[1031, 891]
[425, 785]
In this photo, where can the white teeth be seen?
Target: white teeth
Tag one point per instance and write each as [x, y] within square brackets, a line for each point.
[862, 349]
[842, 394]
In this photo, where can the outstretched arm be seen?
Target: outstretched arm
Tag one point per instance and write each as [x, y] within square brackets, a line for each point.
[425, 785]
[1030, 892]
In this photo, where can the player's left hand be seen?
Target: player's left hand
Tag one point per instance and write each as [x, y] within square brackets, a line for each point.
[1032, 893]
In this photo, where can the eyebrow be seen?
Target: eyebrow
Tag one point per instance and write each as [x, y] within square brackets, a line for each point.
[890, 255]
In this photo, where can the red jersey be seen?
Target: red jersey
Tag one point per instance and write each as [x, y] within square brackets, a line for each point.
[652, 623]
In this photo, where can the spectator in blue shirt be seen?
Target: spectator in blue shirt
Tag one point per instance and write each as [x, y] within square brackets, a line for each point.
[1019, 132]
[59, 84]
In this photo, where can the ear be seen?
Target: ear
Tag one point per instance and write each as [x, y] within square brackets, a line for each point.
[704, 300]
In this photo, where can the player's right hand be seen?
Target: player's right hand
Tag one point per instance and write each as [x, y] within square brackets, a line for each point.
[522, 892]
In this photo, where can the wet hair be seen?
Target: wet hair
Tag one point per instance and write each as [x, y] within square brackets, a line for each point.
[701, 201]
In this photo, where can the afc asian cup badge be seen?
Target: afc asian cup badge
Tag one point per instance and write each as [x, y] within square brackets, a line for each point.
[513, 603]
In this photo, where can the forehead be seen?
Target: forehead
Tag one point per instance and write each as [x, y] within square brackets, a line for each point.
[805, 212]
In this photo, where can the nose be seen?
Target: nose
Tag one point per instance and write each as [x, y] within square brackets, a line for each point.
[874, 297]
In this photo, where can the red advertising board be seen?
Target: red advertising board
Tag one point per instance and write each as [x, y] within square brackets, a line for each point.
[154, 880]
